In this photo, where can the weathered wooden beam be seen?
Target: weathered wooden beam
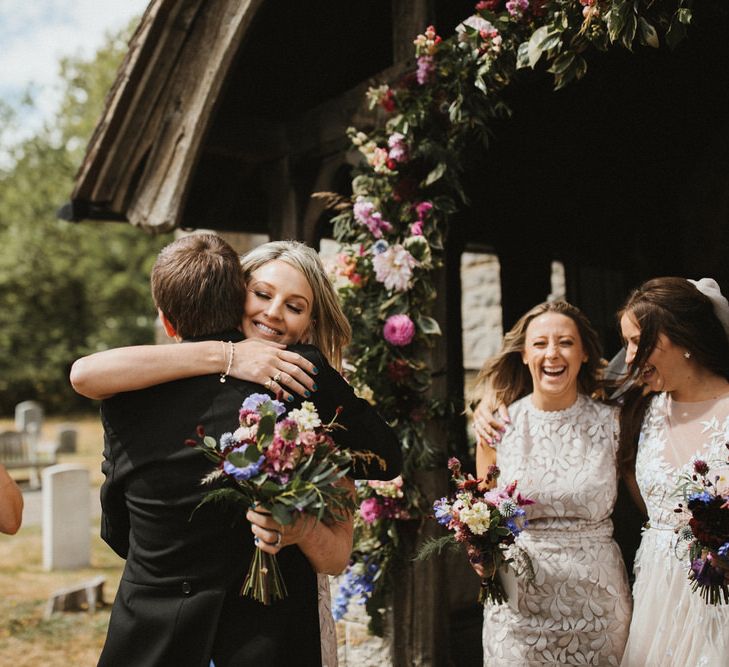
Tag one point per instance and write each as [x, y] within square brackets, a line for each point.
[193, 90]
[409, 18]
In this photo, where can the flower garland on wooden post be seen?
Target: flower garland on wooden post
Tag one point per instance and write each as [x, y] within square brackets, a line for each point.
[405, 192]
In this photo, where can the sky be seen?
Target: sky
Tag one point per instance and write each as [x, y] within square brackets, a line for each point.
[36, 34]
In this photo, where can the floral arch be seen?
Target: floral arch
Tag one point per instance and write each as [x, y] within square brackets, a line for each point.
[407, 190]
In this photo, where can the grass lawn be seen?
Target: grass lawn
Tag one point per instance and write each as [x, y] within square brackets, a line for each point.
[26, 638]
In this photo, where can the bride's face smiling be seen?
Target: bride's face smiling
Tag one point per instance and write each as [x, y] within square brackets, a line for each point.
[278, 304]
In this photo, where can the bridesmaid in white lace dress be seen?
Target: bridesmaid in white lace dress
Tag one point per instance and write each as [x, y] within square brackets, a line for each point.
[561, 447]
[676, 340]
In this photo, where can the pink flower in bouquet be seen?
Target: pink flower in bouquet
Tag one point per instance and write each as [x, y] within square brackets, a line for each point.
[416, 229]
[394, 268]
[399, 330]
[366, 214]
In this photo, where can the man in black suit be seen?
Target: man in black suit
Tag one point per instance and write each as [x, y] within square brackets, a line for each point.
[178, 601]
[179, 565]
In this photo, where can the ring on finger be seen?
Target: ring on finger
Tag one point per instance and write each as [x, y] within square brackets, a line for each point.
[277, 377]
[279, 537]
[267, 384]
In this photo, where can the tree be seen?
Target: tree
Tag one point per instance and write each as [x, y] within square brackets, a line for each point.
[65, 289]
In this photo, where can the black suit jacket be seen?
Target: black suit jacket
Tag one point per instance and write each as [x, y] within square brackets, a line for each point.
[178, 601]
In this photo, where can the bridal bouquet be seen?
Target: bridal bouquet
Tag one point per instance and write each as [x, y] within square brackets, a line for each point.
[707, 532]
[287, 464]
[485, 522]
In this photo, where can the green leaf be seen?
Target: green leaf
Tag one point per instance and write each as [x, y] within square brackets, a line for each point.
[251, 454]
[209, 441]
[677, 30]
[562, 63]
[265, 428]
[522, 56]
[535, 47]
[435, 174]
[282, 514]
[238, 459]
[648, 34]
[435, 546]
[631, 26]
[428, 325]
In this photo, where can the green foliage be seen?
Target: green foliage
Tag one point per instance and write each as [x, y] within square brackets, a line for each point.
[65, 289]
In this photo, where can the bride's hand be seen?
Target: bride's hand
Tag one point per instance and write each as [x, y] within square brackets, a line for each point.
[490, 425]
[271, 536]
[273, 366]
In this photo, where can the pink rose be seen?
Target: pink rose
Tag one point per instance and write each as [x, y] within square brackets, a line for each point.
[399, 330]
[370, 510]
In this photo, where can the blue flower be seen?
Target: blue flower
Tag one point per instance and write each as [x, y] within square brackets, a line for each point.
[702, 496]
[379, 247]
[723, 550]
[226, 440]
[246, 472]
[254, 401]
[442, 511]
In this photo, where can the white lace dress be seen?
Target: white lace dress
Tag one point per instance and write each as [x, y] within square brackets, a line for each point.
[577, 610]
[672, 625]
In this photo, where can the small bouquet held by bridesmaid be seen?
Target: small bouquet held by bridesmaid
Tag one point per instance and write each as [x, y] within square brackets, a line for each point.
[707, 532]
[288, 466]
[486, 522]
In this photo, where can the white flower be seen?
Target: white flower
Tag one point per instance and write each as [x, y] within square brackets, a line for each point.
[245, 433]
[394, 268]
[306, 417]
[477, 517]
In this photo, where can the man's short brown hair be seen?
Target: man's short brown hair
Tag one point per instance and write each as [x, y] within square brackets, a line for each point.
[197, 282]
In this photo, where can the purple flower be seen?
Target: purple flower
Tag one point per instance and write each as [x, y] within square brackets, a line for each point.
[399, 330]
[723, 550]
[426, 67]
[705, 574]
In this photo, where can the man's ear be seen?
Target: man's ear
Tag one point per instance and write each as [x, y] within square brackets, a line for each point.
[167, 326]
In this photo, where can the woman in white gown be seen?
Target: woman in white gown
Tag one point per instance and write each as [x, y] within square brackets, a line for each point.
[561, 447]
[677, 349]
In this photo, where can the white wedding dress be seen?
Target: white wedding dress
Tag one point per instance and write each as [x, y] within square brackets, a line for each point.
[672, 625]
[577, 609]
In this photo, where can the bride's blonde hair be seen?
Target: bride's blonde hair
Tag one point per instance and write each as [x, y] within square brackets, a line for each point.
[330, 329]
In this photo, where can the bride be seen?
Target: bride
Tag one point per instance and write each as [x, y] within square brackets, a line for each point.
[675, 333]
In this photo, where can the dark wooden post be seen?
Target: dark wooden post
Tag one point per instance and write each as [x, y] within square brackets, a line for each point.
[419, 618]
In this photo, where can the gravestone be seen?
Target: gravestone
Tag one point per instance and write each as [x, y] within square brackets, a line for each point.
[67, 439]
[66, 516]
[28, 417]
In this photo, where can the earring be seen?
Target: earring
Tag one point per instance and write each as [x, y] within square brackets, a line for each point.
[687, 354]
